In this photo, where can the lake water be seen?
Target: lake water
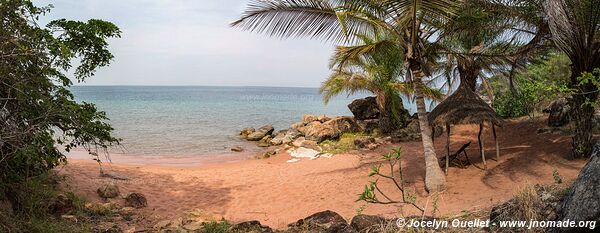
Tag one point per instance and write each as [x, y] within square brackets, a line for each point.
[199, 120]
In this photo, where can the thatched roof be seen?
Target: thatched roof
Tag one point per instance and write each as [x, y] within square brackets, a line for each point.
[462, 108]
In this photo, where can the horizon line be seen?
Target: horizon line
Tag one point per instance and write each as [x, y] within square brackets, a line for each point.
[178, 85]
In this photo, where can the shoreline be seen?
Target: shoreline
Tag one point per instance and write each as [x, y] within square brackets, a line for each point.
[277, 193]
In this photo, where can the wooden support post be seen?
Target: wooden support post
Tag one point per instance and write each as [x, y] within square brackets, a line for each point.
[481, 146]
[447, 147]
[497, 146]
[433, 134]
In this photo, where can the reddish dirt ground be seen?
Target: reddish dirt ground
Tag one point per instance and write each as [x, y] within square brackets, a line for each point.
[278, 193]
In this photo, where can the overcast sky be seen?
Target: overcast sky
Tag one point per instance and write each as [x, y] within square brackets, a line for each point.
[189, 42]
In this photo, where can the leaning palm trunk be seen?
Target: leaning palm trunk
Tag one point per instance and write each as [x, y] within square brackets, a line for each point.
[435, 181]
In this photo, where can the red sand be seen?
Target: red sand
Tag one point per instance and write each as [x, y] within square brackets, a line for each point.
[278, 193]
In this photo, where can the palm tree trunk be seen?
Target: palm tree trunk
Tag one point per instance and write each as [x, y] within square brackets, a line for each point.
[435, 181]
[583, 114]
[386, 123]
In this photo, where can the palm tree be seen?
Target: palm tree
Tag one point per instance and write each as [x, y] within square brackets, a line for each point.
[415, 23]
[575, 29]
[374, 65]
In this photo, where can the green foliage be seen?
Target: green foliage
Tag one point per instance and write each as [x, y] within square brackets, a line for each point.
[34, 213]
[38, 113]
[536, 87]
[216, 227]
[372, 192]
[343, 145]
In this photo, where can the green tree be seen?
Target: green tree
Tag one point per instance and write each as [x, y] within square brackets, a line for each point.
[415, 23]
[38, 114]
[374, 65]
[575, 29]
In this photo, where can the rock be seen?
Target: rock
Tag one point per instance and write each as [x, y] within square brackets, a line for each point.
[162, 224]
[366, 108]
[307, 119]
[319, 133]
[297, 125]
[237, 149]
[583, 201]
[362, 142]
[323, 118]
[368, 125]
[109, 190]
[298, 142]
[61, 205]
[304, 153]
[285, 137]
[326, 221]
[559, 112]
[270, 153]
[367, 223]
[246, 131]
[372, 146]
[344, 124]
[265, 141]
[112, 175]
[251, 226]
[260, 133]
[310, 144]
[136, 200]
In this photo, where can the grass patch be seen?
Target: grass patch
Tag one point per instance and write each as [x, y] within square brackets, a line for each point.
[343, 145]
[216, 227]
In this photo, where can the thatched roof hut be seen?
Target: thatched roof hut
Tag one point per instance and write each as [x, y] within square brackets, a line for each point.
[465, 107]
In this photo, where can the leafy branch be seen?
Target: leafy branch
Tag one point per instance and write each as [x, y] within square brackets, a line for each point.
[372, 190]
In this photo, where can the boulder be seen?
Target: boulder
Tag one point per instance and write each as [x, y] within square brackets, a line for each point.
[366, 108]
[237, 149]
[320, 133]
[108, 190]
[297, 125]
[559, 112]
[260, 133]
[136, 200]
[285, 137]
[298, 142]
[265, 141]
[246, 131]
[362, 142]
[369, 125]
[326, 221]
[323, 118]
[250, 226]
[344, 124]
[583, 201]
[310, 144]
[367, 223]
[306, 119]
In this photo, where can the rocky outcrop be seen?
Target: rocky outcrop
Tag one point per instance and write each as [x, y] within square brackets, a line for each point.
[136, 200]
[583, 201]
[331, 129]
[245, 132]
[260, 133]
[364, 109]
[368, 126]
[367, 223]
[319, 132]
[326, 221]
[108, 190]
[559, 111]
[285, 137]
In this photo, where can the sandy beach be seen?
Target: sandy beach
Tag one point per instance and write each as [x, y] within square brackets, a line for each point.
[278, 193]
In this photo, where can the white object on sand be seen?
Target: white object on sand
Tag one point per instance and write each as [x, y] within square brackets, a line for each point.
[305, 153]
[293, 160]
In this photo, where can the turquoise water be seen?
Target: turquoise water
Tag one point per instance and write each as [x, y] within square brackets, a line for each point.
[201, 120]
